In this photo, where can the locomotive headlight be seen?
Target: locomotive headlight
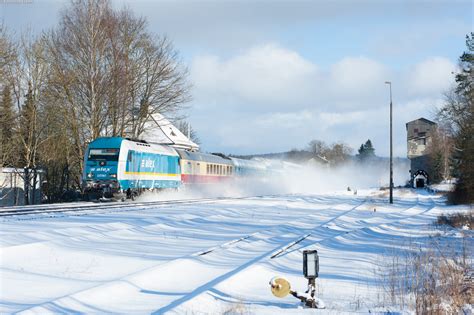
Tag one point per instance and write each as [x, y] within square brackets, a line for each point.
[113, 175]
[89, 175]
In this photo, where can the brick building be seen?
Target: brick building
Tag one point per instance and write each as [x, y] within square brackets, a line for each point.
[419, 133]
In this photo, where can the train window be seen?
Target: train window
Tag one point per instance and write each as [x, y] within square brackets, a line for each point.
[104, 154]
[129, 157]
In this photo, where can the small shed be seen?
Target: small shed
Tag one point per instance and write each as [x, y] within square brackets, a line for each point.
[12, 186]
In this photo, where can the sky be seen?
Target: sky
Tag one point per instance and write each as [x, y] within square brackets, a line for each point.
[270, 76]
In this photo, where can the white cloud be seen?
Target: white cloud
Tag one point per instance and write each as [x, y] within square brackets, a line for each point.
[270, 98]
[266, 75]
[357, 75]
[330, 119]
[286, 120]
[431, 76]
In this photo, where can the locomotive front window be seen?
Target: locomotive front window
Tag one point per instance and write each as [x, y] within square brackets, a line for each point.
[104, 154]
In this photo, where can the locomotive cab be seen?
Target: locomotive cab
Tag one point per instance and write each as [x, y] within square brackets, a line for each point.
[100, 169]
[122, 168]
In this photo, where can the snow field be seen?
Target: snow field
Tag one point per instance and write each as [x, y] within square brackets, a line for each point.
[207, 258]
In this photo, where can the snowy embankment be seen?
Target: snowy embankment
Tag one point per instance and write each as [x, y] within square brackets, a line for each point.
[208, 258]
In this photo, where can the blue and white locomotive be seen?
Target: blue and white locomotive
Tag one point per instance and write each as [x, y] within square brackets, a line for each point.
[121, 168]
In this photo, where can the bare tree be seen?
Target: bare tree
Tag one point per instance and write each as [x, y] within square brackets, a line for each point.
[162, 86]
[110, 74]
[338, 153]
[30, 77]
[440, 150]
[98, 73]
[7, 56]
[317, 147]
[78, 51]
[186, 128]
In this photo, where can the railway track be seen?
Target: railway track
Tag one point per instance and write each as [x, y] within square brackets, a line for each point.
[76, 207]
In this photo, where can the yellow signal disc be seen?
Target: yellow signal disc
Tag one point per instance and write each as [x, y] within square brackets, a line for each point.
[280, 287]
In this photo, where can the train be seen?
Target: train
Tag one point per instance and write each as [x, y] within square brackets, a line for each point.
[122, 168]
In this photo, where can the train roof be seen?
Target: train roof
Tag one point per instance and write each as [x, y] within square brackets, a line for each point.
[204, 157]
[106, 142]
[139, 145]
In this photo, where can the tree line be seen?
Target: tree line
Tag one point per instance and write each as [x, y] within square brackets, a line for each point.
[98, 72]
[452, 147]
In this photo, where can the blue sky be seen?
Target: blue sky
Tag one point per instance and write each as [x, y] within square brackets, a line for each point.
[270, 76]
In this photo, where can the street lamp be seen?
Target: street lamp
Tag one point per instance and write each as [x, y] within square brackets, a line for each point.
[391, 145]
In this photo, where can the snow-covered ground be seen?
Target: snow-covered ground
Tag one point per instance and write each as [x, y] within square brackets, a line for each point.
[208, 257]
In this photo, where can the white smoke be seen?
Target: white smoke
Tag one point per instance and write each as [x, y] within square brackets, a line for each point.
[294, 179]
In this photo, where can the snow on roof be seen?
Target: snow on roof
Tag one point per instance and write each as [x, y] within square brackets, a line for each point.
[160, 130]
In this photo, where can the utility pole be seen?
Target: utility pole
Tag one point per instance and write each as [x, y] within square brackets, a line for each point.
[391, 145]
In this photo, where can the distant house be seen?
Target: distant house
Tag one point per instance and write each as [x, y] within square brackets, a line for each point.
[419, 135]
[318, 160]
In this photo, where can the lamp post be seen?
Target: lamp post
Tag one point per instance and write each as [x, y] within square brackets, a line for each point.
[391, 145]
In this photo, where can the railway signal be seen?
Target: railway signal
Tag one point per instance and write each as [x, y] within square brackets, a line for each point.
[281, 287]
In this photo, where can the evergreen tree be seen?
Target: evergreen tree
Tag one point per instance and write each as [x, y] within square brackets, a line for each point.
[28, 130]
[459, 113]
[366, 151]
[464, 142]
[7, 123]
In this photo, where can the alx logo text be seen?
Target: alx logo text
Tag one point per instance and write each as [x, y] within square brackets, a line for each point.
[148, 163]
[100, 169]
